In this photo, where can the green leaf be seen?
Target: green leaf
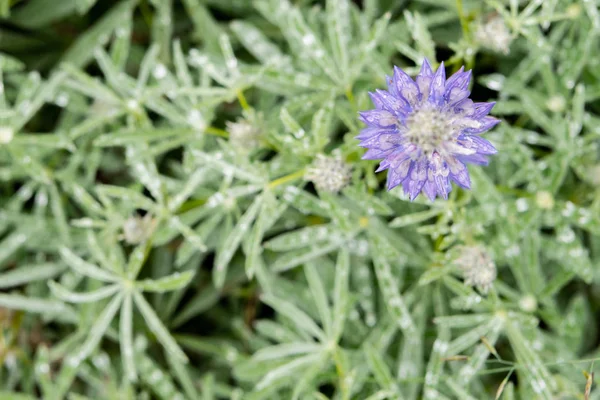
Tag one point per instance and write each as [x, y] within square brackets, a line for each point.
[206, 28]
[126, 338]
[203, 231]
[29, 273]
[300, 238]
[157, 327]
[84, 268]
[51, 141]
[156, 379]
[286, 350]
[390, 290]
[290, 124]
[84, 199]
[368, 202]
[192, 237]
[119, 49]
[166, 284]
[232, 242]
[202, 301]
[300, 319]
[127, 137]
[129, 196]
[339, 31]
[39, 13]
[269, 214]
[81, 52]
[534, 372]
[415, 218]
[256, 43]
[137, 259]
[341, 293]
[319, 296]
[36, 305]
[293, 259]
[287, 372]
[10, 244]
[98, 329]
[88, 297]
[380, 370]
[418, 29]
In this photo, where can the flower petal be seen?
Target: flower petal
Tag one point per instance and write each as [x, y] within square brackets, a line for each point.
[430, 190]
[477, 159]
[424, 79]
[486, 123]
[459, 80]
[438, 172]
[377, 101]
[455, 95]
[370, 131]
[438, 85]
[415, 180]
[481, 109]
[456, 148]
[376, 154]
[457, 87]
[385, 141]
[459, 173]
[479, 144]
[380, 118]
[398, 171]
[393, 103]
[406, 87]
[465, 107]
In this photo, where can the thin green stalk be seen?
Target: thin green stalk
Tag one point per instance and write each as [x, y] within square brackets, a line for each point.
[287, 178]
[211, 130]
[464, 23]
[242, 100]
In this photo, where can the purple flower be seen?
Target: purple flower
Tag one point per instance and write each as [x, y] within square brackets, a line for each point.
[426, 130]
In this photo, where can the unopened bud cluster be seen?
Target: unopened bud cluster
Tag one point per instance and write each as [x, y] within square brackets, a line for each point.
[243, 134]
[494, 35]
[477, 267]
[138, 229]
[329, 174]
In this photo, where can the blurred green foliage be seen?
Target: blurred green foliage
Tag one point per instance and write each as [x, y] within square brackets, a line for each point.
[159, 237]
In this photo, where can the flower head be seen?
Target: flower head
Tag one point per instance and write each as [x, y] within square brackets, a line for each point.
[426, 130]
[494, 34]
[243, 134]
[477, 267]
[329, 174]
[137, 229]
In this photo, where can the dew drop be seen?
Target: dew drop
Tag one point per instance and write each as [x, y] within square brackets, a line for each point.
[160, 71]
[308, 39]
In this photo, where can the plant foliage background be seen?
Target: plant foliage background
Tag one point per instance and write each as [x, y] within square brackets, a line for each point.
[163, 233]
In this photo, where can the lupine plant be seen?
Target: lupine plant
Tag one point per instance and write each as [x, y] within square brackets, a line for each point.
[277, 199]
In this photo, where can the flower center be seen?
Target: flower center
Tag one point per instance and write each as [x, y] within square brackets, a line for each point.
[428, 128]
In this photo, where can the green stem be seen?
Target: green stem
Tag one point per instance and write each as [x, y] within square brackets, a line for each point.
[341, 375]
[146, 13]
[211, 130]
[464, 23]
[191, 204]
[350, 95]
[242, 100]
[287, 178]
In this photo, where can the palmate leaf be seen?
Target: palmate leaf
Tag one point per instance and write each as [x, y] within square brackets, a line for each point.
[233, 241]
[157, 327]
[123, 293]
